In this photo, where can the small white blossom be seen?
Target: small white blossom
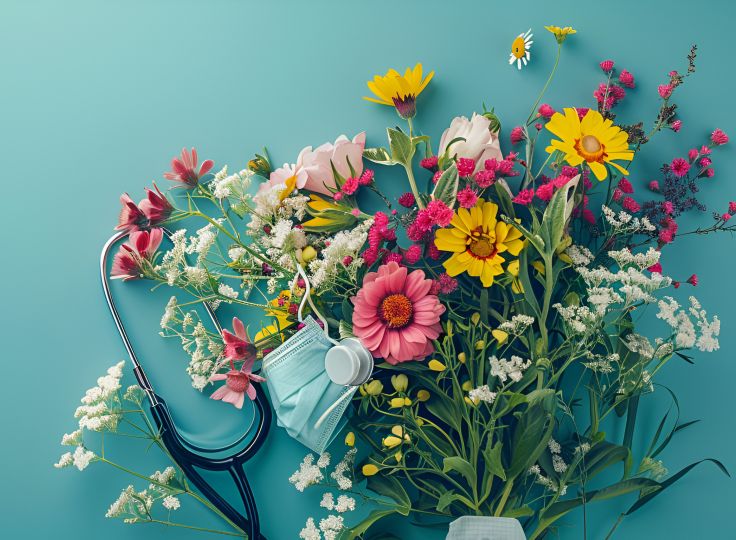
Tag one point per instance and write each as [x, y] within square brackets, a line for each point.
[509, 369]
[308, 474]
[171, 503]
[310, 531]
[482, 393]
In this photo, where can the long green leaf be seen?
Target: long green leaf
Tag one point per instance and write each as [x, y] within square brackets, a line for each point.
[390, 486]
[458, 464]
[530, 438]
[446, 188]
[402, 150]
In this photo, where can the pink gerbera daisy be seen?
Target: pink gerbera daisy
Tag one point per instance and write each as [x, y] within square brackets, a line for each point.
[237, 385]
[396, 317]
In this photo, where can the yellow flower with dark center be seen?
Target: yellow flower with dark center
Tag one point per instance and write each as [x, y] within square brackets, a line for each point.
[593, 140]
[561, 33]
[477, 240]
[399, 91]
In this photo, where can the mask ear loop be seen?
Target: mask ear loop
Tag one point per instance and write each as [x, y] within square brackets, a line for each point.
[308, 298]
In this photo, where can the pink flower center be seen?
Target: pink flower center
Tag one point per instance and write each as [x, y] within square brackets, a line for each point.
[396, 310]
[237, 381]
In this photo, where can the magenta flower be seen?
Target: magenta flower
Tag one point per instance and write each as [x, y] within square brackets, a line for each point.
[137, 251]
[665, 90]
[156, 206]
[237, 345]
[679, 167]
[184, 168]
[395, 317]
[517, 135]
[131, 217]
[606, 66]
[626, 78]
[237, 385]
[718, 137]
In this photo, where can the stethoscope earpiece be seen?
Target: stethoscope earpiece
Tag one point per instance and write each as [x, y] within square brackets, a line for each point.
[349, 363]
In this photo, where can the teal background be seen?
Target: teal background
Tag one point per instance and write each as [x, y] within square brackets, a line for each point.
[97, 96]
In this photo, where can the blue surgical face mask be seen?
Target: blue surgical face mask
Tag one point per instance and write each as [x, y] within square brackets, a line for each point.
[311, 378]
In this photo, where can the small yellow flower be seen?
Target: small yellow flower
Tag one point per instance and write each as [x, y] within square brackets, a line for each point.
[397, 456]
[350, 439]
[462, 358]
[539, 266]
[561, 33]
[400, 382]
[479, 345]
[399, 91]
[420, 422]
[520, 48]
[398, 402]
[369, 469]
[399, 431]
[467, 386]
[500, 336]
[471, 402]
[593, 140]
[436, 365]
[475, 318]
[373, 388]
[422, 395]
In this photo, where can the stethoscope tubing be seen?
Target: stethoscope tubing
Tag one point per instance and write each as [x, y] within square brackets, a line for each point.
[181, 449]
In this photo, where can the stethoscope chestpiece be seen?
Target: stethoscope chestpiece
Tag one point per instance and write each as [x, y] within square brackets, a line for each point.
[349, 363]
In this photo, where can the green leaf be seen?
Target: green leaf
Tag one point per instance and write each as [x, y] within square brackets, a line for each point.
[402, 149]
[494, 464]
[557, 510]
[446, 188]
[378, 155]
[361, 528]
[345, 329]
[504, 197]
[529, 296]
[448, 497]
[530, 438]
[534, 239]
[389, 486]
[458, 464]
[556, 214]
[671, 480]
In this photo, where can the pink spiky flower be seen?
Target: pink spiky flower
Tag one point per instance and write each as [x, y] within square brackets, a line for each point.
[131, 217]
[156, 207]
[184, 168]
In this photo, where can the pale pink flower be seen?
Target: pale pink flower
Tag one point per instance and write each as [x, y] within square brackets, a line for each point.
[237, 385]
[395, 316]
[480, 143]
[137, 251]
[318, 162]
[184, 168]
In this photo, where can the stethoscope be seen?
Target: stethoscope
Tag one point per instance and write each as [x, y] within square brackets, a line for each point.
[187, 454]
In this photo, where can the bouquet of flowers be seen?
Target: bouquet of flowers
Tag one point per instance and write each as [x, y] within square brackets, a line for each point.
[501, 297]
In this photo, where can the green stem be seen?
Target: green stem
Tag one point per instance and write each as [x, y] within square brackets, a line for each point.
[546, 85]
[191, 527]
[413, 185]
[504, 498]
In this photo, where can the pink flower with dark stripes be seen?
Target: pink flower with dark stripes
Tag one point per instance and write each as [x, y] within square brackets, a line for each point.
[184, 168]
[133, 256]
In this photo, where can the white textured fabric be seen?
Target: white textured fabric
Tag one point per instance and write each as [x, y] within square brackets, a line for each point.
[485, 528]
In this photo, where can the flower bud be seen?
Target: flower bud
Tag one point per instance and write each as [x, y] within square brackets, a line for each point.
[397, 456]
[308, 254]
[495, 124]
[436, 365]
[400, 382]
[391, 441]
[500, 336]
[350, 439]
[467, 386]
[369, 469]
[422, 395]
[398, 402]
[374, 388]
[479, 345]
[260, 165]
[462, 358]
[475, 318]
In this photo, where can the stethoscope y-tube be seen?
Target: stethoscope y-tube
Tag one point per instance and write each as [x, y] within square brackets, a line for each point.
[186, 454]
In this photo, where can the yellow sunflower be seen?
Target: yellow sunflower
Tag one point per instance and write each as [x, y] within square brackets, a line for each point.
[593, 139]
[561, 33]
[476, 240]
[399, 91]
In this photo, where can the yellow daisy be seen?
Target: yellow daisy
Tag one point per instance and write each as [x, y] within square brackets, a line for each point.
[561, 33]
[594, 140]
[476, 240]
[520, 48]
[327, 215]
[399, 91]
[280, 313]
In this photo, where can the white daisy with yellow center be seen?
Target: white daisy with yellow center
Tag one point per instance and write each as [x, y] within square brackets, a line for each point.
[520, 49]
